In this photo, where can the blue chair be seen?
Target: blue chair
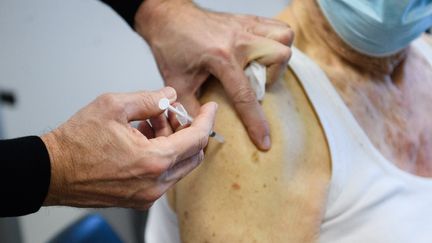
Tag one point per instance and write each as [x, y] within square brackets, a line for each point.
[92, 228]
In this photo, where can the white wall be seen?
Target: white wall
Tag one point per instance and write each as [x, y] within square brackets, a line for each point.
[58, 55]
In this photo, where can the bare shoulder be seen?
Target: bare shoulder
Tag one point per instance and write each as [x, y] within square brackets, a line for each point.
[240, 194]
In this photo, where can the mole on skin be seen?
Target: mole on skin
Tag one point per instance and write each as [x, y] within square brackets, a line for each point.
[235, 186]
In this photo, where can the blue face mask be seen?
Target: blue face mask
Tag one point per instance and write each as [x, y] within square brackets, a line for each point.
[378, 27]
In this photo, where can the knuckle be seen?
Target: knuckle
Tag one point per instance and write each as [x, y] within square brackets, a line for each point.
[156, 162]
[150, 195]
[221, 52]
[287, 37]
[107, 98]
[157, 167]
[110, 101]
[150, 166]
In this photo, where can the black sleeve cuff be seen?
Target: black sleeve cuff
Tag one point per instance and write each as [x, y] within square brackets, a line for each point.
[25, 173]
[125, 8]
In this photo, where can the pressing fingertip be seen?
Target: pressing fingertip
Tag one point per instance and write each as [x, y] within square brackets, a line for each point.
[212, 105]
[260, 138]
[169, 93]
[215, 105]
[266, 143]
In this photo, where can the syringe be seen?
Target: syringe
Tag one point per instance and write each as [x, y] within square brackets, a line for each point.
[184, 118]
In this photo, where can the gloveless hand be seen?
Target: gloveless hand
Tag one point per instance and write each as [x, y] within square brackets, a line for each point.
[99, 160]
[190, 44]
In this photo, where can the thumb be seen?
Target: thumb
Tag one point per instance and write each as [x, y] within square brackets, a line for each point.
[145, 104]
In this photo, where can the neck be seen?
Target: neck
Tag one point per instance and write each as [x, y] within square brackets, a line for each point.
[314, 35]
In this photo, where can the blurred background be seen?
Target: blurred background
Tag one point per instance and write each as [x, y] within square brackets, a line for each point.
[55, 57]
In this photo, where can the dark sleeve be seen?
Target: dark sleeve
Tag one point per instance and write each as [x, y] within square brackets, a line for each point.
[25, 173]
[125, 8]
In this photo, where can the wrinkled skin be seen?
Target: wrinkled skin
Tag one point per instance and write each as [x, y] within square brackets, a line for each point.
[190, 44]
[99, 160]
[240, 194]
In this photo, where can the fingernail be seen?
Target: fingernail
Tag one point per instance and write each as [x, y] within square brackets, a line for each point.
[266, 142]
[170, 93]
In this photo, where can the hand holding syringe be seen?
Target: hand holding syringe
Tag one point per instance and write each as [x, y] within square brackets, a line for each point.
[184, 118]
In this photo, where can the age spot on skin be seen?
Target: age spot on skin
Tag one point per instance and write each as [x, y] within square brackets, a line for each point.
[186, 214]
[235, 186]
[255, 157]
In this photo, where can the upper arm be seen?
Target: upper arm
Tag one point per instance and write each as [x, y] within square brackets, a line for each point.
[240, 194]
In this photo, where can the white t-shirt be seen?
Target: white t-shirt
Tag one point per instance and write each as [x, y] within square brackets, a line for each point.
[370, 199]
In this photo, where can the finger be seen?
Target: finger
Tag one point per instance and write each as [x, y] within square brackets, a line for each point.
[269, 53]
[176, 126]
[281, 34]
[182, 168]
[174, 121]
[275, 72]
[143, 105]
[161, 126]
[145, 128]
[189, 141]
[244, 99]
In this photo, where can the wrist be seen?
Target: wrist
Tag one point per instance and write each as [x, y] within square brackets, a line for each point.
[59, 168]
[153, 15]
